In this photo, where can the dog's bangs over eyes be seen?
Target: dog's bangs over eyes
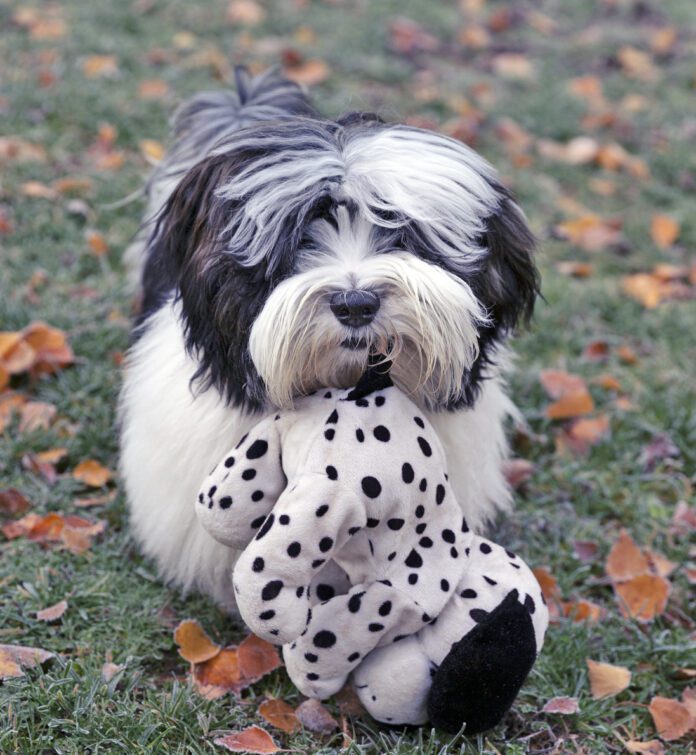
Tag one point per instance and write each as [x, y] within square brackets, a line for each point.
[282, 216]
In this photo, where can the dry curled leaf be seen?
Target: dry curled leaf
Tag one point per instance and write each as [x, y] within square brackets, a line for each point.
[12, 502]
[36, 415]
[571, 405]
[606, 679]
[315, 717]
[672, 719]
[590, 232]
[281, 715]
[109, 670]
[563, 705]
[219, 675]
[92, 473]
[252, 740]
[14, 658]
[582, 610]
[256, 658]
[309, 72]
[194, 644]
[548, 584]
[652, 747]
[54, 612]
[643, 597]
[625, 559]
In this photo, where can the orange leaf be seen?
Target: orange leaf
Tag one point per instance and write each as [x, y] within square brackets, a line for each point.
[664, 231]
[4, 380]
[246, 12]
[671, 718]
[590, 232]
[643, 597]
[279, 714]
[563, 705]
[315, 717]
[152, 150]
[96, 243]
[689, 699]
[558, 383]
[16, 355]
[92, 473]
[608, 382]
[54, 612]
[70, 185]
[646, 289]
[518, 471]
[100, 66]
[256, 658]
[152, 89]
[14, 657]
[52, 456]
[606, 679]
[194, 644]
[549, 586]
[51, 347]
[588, 432]
[576, 269]
[582, 610]
[571, 405]
[596, 351]
[253, 740]
[309, 72]
[219, 675]
[37, 190]
[637, 64]
[625, 559]
[21, 527]
[660, 564]
[48, 529]
[652, 747]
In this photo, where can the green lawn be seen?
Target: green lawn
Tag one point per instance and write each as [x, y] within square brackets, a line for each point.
[48, 271]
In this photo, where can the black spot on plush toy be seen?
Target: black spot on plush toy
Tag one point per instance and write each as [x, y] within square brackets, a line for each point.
[361, 562]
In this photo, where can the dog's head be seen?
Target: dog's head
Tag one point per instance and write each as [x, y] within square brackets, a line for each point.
[301, 247]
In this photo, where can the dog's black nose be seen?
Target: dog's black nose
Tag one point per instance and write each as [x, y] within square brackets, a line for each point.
[354, 308]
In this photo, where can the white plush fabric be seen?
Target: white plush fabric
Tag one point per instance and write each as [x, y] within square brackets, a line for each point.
[356, 479]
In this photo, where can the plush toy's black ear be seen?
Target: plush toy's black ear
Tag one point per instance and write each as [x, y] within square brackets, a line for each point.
[509, 284]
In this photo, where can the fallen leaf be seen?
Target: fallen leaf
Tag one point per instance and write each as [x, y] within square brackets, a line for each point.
[16, 355]
[652, 747]
[194, 644]
[309, 72]
[596, 351]
[518, 471]
[548, 583]
[582, 610]
[408, 37]
[256, 658]
[606, 679]
[558, 383]
[349, 703]
[563, 705]
[587, 432]
[153, 89]
[664, 231]
[37, 190]
[643, 597]
[246, 12]
[219, 675]
[513, 66]
[153, 151]
[18, 150]
[578, 151]
[660, 564]
[97, 500]
[279, 714]
[685, 673]
[585, 550]
[92, 473]
[590, 232]
[72, 185]
[637, 64]
[10, 404]
[608, 382]
[33, 464]
[100, 66]
[12, 502]
[625, 559]
[661, 447]
[96, 243]
[671, 718]
[109, 671]
[571, 405]
[689, 699]
[21, 527]
[54, 612]
[315, 717]
[253, 740]
[48, 529]
[50, 346]
[646, 289]
[13, 658]
[36, 415]
[683, 519]
[662, 40]
[575, 269]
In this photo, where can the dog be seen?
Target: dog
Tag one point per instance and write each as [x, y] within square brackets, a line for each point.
[279, 251]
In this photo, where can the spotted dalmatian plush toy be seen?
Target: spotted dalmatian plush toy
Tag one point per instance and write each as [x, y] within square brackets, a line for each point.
[361, 562]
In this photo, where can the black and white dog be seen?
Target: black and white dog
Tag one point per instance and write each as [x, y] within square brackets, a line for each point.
[280, 250]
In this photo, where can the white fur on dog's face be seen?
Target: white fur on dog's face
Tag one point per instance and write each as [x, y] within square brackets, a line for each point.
[427, 323]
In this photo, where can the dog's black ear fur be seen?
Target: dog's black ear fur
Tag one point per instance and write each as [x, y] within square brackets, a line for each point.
[507, 284]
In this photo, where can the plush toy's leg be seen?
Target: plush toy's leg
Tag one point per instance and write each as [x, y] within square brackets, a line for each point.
[342, 631]
[393, 682]
[480, 677]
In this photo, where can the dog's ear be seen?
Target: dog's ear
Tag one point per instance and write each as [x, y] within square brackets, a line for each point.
[509, 282]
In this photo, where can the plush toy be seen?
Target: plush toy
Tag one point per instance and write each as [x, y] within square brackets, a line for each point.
[362, 562]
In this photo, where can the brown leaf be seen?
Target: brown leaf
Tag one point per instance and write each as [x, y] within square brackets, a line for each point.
[256, 658]
[33, 464]
[72, 185]
[685, 673]
[21, 527]
[661, 447]
[96, 500]
[36, 415]
[52, 456]
[683, 519]
[279, 714]
[15, 657]
[637, 64]
[408, 37]
[194, 644]
[558, 383]
[96, 243]
[645, 288]
[309, 72]
[16, 355]
[153, 89]
[563, 705]
[664, 231]
[512, 65]
[585, 550]
[219, 675]
[606, 679]
[588, 432]
[12, 502]
[596, 351]
[37, 190]
[660, 564]
[575, 269]
[92, 473]
[100, 66]
[590, 232]
[643, 597]
[253, 740]
[689, 699]
[518, 471]
[50, 346]
[608, 382]
[109, 671]
[625, 559]
[315, 717]
[15, 149]
[349, 703]
[152, 150]
[549, 586]
[578, 151]
[54, 612]
[662, 40]
[582, 610]
[671, 718]
[652, 747]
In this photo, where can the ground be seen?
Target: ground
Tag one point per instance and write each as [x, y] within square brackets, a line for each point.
[86, 83]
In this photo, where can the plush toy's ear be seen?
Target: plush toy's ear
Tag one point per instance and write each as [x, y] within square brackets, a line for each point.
[509, 283]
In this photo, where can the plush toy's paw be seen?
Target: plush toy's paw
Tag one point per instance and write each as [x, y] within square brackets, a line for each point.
[480, 677]
[393, 682]
[306, 677]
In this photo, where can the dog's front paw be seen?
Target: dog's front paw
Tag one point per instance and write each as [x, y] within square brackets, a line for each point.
[307, 674]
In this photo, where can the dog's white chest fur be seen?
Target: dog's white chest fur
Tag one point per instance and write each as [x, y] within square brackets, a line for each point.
[171, 440]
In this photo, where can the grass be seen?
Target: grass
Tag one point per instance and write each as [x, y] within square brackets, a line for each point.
[118, 609]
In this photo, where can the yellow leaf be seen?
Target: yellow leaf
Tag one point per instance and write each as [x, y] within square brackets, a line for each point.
[153, 151]
[100, 66]
[92, 473]
[664, 231]
[194, 644]
[606, 679]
